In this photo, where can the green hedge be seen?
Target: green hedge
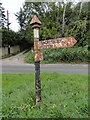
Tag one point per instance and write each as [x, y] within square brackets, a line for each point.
[67, 55]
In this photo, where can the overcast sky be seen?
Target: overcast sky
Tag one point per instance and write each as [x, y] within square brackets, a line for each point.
[13, 6]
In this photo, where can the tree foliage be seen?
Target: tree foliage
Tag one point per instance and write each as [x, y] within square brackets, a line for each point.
[2, 16]
[58, 19]
[10, 37]
[51, 15]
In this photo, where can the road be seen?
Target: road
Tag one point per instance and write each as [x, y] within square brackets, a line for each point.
[16, 64]
[59, 68]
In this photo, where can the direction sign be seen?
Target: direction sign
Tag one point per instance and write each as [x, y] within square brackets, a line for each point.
[52, 43]
[57, 43]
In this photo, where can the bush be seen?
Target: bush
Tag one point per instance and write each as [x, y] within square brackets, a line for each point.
[67, 55]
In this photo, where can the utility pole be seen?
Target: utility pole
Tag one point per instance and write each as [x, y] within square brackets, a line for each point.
[8, 20]
[8, 30]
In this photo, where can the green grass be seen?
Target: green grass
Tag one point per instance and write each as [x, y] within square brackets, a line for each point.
[63, 96]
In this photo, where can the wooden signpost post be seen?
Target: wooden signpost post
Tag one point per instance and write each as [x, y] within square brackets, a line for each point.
[52, 43]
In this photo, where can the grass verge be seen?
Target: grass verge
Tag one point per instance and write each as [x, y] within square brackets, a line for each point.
[63, 96]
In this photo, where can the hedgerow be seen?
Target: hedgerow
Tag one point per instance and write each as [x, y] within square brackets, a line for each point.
[67, 55]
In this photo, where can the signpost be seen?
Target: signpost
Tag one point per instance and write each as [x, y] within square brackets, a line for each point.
[46, 44]
[35, 23]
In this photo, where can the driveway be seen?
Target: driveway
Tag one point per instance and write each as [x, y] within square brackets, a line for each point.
[17, 59]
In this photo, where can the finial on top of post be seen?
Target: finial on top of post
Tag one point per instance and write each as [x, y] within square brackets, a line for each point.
[35, 22]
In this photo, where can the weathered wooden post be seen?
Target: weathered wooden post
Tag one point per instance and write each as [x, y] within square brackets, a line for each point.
[35, 24]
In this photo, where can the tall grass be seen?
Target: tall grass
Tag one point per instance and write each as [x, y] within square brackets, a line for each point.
[63, 96]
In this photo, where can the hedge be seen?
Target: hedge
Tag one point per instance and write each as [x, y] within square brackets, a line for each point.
[66, 55]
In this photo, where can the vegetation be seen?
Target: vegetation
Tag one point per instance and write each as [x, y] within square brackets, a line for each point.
[2, 14]
[10, 37]
[58, 20]
[67, 55]
[64, 97]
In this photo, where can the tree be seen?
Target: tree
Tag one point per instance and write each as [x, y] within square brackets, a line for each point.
[21, 19]
[2, 16]
[78, 30]
[52, 16]
[25, 15]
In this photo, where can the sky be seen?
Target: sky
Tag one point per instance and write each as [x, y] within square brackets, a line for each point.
[13, 6]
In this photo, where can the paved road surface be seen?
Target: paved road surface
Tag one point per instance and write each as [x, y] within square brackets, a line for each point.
[59, 68]
[16, 64]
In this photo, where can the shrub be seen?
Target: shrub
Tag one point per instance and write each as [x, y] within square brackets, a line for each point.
[67, 55]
